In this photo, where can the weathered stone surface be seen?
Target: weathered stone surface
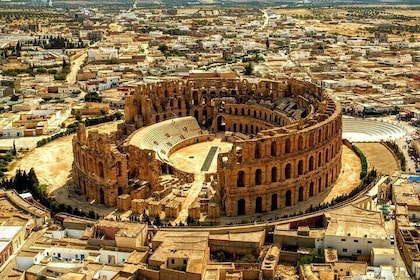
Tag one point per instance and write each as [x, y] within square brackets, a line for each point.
[286, 135]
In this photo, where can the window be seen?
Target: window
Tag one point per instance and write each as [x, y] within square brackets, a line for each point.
[356, 241]
[369, 242]
[185, 262]
[359, 251]
[344, 250]
[343, 239]
[172, 261]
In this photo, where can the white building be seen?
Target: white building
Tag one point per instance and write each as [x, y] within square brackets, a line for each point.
[355, 231]
[383, 256]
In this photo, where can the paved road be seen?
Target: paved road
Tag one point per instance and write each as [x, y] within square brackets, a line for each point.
[75, 66]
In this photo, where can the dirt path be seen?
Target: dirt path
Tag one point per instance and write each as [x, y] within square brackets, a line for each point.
[379, 156]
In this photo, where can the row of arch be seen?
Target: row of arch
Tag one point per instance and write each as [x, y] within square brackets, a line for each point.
[289, 170]
[95, 192]
[245, 128]
[86, 162]
[272, 116]
[234, 86]
[282, 146]
[289, 198]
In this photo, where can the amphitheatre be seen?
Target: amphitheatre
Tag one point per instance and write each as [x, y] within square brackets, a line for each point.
[213, 147]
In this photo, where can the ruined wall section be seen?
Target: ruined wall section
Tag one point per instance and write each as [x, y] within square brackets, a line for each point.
[155, 102]
[143, 166]
[99, 169]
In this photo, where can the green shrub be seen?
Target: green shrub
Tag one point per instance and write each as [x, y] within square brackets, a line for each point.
[363, 161]
[398, 153]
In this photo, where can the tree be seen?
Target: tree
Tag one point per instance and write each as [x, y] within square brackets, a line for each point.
[144, 217]
[249, 69]
[163, 48]
[78, 116]
[18, 49]
[156, 221]
[14, 152]
[14, 98]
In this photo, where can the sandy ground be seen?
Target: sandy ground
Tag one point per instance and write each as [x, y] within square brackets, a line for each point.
[52, 162]
[404, 12]
[347, 28]
[349, 177]
[379, 156]
[292, 12]
[191, 158]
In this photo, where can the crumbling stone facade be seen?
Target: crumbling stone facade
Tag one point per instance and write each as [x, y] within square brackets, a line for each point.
[286, 137]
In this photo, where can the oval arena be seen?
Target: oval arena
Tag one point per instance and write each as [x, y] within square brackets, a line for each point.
[213, 146]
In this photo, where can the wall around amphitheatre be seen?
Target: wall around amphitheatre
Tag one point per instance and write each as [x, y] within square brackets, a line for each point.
[278, 158]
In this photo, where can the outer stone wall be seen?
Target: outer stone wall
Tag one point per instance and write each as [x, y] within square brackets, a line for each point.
[287, 142]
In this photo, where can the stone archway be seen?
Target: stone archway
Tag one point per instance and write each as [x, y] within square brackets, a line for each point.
[241, 207]
[311, 189]
[220, 124]
[288, 198]
[258, 204]
[273, 202]
[300, 197]
[101, 196]
[240, 183]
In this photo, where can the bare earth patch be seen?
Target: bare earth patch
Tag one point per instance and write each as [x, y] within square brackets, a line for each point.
[292, 12]
[52, 162]
[379, 156]
[349, 177]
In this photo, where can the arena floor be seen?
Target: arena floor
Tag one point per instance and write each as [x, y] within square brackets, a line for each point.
[191, 159]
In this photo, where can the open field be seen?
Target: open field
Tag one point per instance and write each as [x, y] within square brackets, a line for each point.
[404, 12]
[379, 156]
[52, 162]
[292, 12]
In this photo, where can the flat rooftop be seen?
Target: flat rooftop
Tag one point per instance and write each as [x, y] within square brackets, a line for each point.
[186, 245]
[246, 237]
[8, 232]
[355, 222]
[406, 194]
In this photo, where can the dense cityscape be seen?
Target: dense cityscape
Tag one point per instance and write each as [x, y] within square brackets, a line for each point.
[214, 140]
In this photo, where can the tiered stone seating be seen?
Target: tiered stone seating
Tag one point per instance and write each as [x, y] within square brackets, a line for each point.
[162, 137]
[365, 130]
